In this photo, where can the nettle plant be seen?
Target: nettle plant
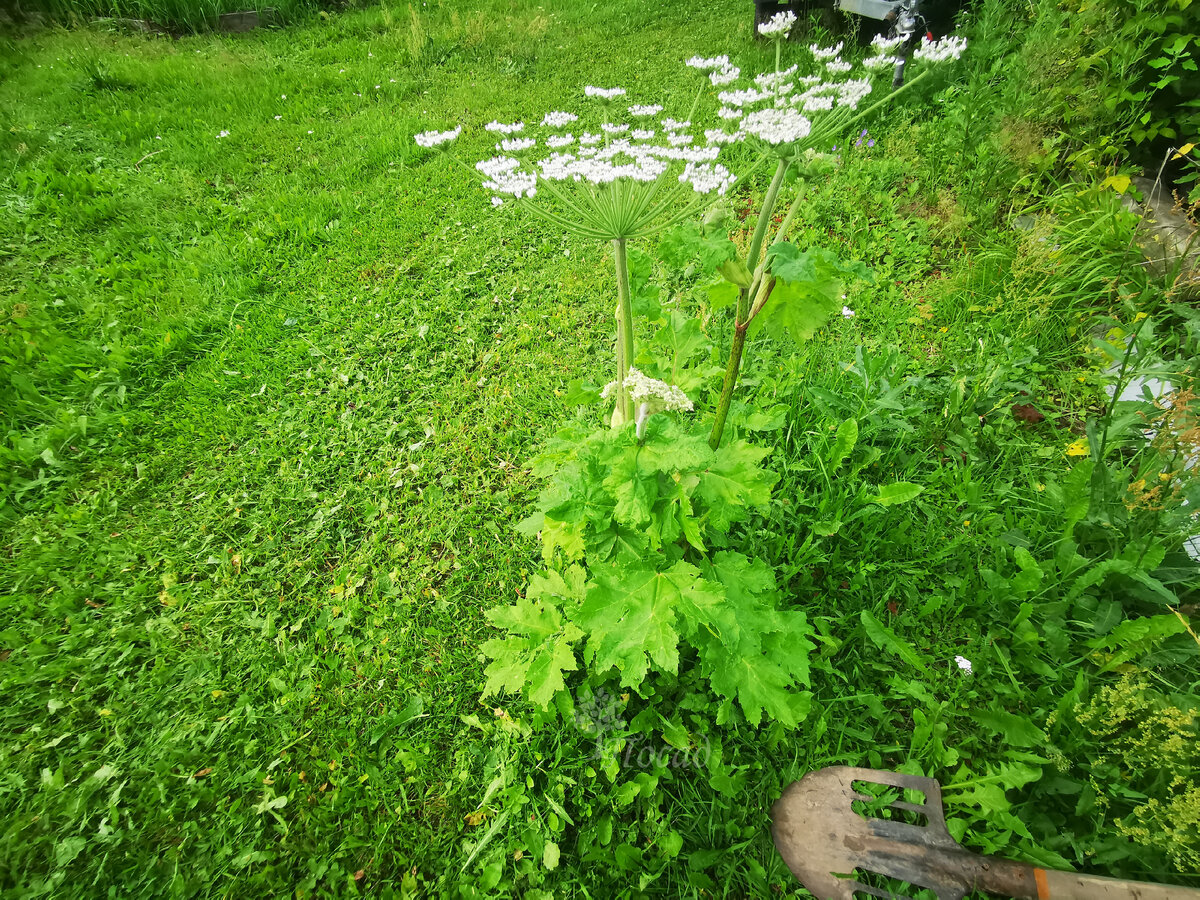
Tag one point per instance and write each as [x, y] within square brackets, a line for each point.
[637, 522]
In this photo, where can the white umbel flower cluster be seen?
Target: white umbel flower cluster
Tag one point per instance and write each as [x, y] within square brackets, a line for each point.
[777, 126]
[516, 145]
[503, 128]
[503, 176]
[886, 44]
[778, 25]
[708, 177]
[559, 119]
[825, 52]
[709, 64]
[642, 112]
[949, 47]
[604, 93]
[644, 389]
[725, 76]
[879, 63]
[435, 138]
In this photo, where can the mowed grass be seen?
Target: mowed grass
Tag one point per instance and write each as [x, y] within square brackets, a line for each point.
[258, 571]
[272, 402]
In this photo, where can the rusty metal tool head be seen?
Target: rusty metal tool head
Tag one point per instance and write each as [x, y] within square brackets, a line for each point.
[831, 847]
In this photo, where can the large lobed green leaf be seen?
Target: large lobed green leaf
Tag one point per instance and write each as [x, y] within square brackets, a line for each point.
[537, 650]
[807, 293]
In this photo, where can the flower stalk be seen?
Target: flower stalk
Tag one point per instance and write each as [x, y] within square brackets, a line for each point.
[624, 409]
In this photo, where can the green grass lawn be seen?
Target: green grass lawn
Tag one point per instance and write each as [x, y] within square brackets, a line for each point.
[271, 400]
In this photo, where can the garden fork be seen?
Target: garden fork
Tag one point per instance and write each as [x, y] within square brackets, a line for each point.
[829, 846]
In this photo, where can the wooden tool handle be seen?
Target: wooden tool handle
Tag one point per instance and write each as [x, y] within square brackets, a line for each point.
[1053, 885]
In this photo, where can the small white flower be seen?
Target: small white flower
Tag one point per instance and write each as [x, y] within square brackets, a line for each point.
[963, 663]
[283, 96]
[558, 119]
[885, 44]
[614, 129]
[837, 66]
[729, 112]
[878, 63]
[672, 125]
[392, 80]
[310, 131]
[158, 137]
[643, 111]
[377, 87]
[370, 55]
[223, 134]
[778, 25]
[496, 201]
[642, 134]
[555, 141]
[434, 138]
[588, 139]
[277, 118]
[503, 128]
[604, 93]
[847, 312]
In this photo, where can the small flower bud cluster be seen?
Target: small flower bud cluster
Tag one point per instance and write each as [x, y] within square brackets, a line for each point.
[778, 25]
[434, 138]
[644, 389]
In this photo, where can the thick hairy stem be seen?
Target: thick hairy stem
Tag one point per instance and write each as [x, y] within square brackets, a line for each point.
[624, 330]
[764, 216]
[742, 318]
[731, 377]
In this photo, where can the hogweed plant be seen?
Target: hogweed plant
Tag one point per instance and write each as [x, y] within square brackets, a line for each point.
[643, 572]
